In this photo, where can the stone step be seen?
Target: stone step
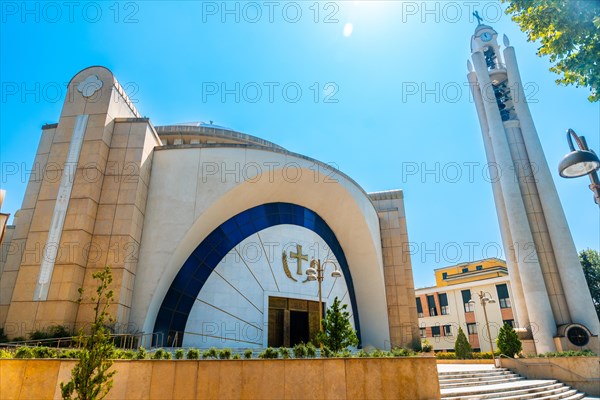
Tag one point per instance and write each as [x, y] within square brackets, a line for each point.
[474, 375]
[530, 393]
[522, 387]
[562, 392]
[481, 383]
[476, 379]
[475, 372]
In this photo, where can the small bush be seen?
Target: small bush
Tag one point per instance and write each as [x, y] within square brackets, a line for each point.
[462, 347]
[3, 337]
[300, 350]
[142, 354]
[426, 347]
[158, 354]
[326, 352]
[284, 352]
[211, 353]
[311, 350]
[402, 352]
[125, 354]
[445, 355]
[179, 354]
[69, 353]
[225, 354]
[193, 354]
[362, 353]
[5, 354]
[568, 353]
[24, 352]
[19, 339]
[508, 341]
[344, 354]
[248, 354]
[269, 352]
[236, 356]
[44, 352]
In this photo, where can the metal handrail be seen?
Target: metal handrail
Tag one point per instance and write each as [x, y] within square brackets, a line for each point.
[554, 365]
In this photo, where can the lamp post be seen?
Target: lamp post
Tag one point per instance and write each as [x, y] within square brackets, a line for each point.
[316, 272]
[581, 162]
[485, 299]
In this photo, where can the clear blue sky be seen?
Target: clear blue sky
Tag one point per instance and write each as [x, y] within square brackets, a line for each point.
[169, 54]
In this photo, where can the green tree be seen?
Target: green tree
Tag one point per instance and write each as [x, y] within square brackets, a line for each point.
[90, 379]
[462, 347]
[590, 261]
[569, 33]
[337, 331]
[508, 341]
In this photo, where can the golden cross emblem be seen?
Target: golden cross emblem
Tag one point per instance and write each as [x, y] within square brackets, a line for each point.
[299, 257]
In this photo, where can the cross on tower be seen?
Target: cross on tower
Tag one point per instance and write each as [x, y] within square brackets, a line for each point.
[476, 15]
[299, 257]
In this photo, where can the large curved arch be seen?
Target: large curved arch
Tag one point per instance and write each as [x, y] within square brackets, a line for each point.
[176, 306]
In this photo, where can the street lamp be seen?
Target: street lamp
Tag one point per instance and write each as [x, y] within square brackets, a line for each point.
[485, 299]
[316, 272]
[581, 162]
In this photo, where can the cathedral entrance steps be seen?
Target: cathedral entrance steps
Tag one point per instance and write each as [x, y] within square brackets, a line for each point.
[502, 384]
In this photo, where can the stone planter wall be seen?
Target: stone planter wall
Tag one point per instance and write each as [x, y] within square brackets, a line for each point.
[365, 378]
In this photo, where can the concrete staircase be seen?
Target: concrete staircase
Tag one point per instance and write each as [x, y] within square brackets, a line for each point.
[501, 383]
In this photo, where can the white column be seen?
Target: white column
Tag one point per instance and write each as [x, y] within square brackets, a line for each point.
[538, 304]
[518, 302]
[578, 297]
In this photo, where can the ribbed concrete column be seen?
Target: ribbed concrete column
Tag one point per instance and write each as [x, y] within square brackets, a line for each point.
[578, 297]
[519, 304]
[538, 306]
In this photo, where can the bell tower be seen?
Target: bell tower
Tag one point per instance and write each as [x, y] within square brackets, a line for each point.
[551, 298]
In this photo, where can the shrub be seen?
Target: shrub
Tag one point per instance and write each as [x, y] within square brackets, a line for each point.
[158, 354]
[402, 352]
[269, 352]
[462, 347]
[211, 353]
[568, 353]
[44, 352]
[3, 337]
[284, 352]
[24, 352]
[236, 356]
[426, 347]
[5, 354]
[508, 341]
[377, 353]
[326, 352]
[179, 354]
[248, 354]
[69, 353]
[225, 354]
[167, 355]
[337, 333]
[311, 350]
[445, 355]
[19, 339]
[344, 354]
[141, 354]
[300, 350]
[193, 354]
[125, 354]
[362, 353]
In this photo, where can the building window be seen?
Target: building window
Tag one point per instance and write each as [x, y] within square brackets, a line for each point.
[447, 330]
[443, 298]
[503, 297]
[510, 322]
[422, 332]
[465, 270]
[472, 329]
[435, 331]
[431, 306]
[419, 308]
[466, 296]
[479, 268]
[444, 275]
